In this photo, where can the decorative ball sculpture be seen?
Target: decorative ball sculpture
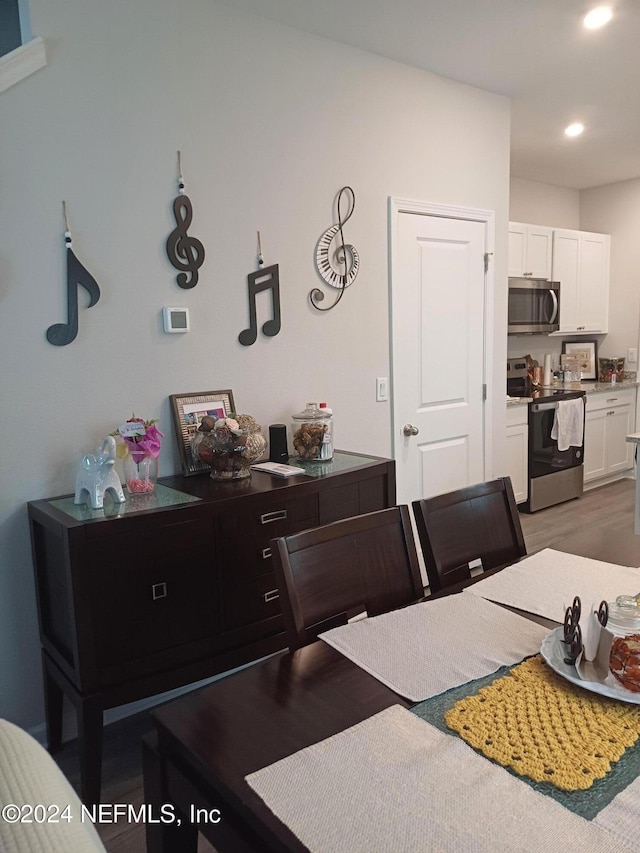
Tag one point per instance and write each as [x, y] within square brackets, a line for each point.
[229, 445]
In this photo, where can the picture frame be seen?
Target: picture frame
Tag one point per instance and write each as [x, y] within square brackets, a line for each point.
[188, 411]
[587, 352]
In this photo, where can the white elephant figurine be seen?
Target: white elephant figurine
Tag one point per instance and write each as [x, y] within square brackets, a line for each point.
[97, 476]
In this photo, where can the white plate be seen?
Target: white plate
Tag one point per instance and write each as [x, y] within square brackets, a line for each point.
[553, 653]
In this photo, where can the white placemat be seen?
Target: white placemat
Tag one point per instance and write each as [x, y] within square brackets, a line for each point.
[622, 816]
[546, 583]
[396, 783]
[425, 649]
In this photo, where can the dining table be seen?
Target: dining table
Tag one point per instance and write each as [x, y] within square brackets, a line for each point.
[337, 746]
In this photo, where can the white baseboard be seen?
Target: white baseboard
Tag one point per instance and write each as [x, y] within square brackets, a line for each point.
[629, 474]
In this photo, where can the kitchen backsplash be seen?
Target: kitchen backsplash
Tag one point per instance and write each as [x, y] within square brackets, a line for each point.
[537, 345]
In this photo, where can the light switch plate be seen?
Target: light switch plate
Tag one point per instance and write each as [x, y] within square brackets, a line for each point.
[382, 389]
[633, 355]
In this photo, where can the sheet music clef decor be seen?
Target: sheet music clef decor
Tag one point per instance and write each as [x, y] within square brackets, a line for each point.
[340, 269]
[185, 253]
[265, 278]
[61, 334]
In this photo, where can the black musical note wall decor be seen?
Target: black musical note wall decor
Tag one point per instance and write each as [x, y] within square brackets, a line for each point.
[61, 334]
[265, 278]
[185, 253]
[340, 269]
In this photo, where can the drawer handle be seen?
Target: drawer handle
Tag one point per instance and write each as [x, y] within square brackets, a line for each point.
[158, 590]
[611, 399]
[266, 553]
[277, 515]
[271, 595]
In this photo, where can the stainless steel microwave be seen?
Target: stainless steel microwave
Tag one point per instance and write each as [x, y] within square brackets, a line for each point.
[534, 306]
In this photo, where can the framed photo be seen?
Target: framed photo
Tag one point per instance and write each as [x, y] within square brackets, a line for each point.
[188, 411]
[586, 352]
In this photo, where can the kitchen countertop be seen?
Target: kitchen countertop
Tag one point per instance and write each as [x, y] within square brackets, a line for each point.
[607, 387]
[587, 387]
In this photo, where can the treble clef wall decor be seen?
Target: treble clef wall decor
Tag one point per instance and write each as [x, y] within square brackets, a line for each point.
[185, 253]
[340, 270]
[61, 334]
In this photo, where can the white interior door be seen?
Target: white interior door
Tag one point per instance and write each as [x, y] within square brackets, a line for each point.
[438, 349]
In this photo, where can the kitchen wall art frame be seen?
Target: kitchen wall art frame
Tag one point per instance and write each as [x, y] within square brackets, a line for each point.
[587, 352]
[188, 411]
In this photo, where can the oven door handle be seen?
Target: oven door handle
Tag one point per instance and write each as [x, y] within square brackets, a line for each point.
[543, 407]
[554, 313]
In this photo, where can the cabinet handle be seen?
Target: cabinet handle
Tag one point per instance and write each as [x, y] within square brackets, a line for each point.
[266, 553]
[158, 590]
[277, 515]
[271, 595]
[611, 399]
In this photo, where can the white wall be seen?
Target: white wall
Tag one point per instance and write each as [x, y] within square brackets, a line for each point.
[543, 204]
[271, 123]
[615, 210]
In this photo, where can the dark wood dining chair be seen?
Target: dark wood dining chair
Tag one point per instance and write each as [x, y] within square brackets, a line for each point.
[477, 522]
[367, 563]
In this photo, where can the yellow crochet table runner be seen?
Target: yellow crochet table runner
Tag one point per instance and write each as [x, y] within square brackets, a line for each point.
[542, 727]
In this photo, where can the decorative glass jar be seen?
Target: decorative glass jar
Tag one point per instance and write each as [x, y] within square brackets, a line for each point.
[229, 445]
[313, 434]
[624, 658]
[610, 369]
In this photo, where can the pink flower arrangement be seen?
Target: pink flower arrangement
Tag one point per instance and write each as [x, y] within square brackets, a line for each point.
[146, 443]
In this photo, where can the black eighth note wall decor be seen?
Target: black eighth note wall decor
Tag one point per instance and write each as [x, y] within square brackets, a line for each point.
[340, 269]
[185, 253]
[61, 334]
[265, 278]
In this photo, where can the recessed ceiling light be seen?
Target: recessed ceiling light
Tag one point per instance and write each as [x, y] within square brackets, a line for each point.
[574, 129]
[597, 17]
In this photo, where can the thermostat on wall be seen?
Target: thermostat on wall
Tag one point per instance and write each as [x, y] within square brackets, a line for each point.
[175, 320]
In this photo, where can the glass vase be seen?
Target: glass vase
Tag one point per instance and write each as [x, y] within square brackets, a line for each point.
[141, 475]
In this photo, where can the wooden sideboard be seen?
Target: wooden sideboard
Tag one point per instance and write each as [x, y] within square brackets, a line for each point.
[165, 590]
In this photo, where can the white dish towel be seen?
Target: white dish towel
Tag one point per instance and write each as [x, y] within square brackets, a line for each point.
[568, 424]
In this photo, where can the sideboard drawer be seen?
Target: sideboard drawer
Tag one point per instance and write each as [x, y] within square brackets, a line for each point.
[342, 501]
[245, 535]
[250, 601]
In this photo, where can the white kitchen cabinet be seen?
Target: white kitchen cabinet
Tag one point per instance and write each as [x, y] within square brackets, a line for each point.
[530, 248]
[581, 265]
[609, 418]
[516, 451]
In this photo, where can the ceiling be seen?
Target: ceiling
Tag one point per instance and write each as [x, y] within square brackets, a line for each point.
[535, 51]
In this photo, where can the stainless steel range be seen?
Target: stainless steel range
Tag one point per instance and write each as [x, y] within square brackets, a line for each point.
[554, 475]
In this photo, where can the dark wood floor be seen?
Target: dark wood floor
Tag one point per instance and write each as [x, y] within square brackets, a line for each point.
[611, 505]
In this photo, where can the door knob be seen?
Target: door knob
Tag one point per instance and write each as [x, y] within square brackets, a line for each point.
[409, 429]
